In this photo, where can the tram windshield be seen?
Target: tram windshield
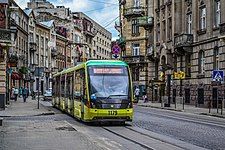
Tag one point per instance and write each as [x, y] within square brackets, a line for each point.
[108, 82]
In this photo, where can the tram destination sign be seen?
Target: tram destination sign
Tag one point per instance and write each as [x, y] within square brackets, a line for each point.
[108, 70]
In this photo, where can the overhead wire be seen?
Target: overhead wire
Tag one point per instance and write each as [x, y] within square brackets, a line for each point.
[103, 2]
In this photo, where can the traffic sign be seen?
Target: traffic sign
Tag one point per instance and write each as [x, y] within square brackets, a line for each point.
[179, 75]
[218, 75]
[116, 49]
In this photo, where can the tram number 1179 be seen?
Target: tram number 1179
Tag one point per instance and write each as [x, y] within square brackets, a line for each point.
[112, 112]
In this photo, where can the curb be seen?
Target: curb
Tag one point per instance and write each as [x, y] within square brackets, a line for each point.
[161, 108]
[213, 115]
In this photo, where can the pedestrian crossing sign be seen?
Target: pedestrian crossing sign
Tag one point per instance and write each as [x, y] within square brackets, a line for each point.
[218, 75]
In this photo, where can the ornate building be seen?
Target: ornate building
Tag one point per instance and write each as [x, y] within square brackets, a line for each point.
[188, 38]
[136, 22]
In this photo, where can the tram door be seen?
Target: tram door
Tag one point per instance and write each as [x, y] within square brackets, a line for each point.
[83, 96]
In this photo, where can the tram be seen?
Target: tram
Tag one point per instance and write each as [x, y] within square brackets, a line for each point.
[96, 90]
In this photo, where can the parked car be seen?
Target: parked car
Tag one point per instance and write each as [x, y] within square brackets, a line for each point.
[48, 94]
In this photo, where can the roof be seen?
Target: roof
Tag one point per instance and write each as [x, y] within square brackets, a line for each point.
[48, 23]
[106, 62]
[93, 63]
[27, 11]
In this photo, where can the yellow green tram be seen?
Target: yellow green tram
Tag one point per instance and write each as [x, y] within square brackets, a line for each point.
[97, 90]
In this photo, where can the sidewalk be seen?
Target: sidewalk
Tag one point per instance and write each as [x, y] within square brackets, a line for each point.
[187, 108]
[29, 108]
[25, 128]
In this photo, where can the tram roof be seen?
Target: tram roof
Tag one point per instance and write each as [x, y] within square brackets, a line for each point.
[92, 63]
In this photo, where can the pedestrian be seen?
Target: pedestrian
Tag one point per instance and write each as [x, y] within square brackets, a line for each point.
[145, 98]
[15, 92]
[137, 92]
[24, 93]
[20, 91]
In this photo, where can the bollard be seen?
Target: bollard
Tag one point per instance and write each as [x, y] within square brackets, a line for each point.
[1, 120]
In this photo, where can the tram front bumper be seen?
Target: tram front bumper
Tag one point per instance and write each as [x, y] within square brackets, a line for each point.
[111, 114]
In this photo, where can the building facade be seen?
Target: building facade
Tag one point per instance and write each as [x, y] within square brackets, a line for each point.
[134, 39]
[189, 39]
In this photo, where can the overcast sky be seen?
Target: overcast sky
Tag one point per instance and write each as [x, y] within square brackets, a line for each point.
[102, 11]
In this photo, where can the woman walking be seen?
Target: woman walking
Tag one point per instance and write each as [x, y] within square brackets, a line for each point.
[24, 93]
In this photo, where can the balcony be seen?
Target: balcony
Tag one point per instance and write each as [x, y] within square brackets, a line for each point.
[13, 58]
[134, 12]
[91, 33]
[139, 59]
[150, 53]
[33, 46]
[5, 36]
[222, 28]
[183, 43]
[54, 52]
[146, 22]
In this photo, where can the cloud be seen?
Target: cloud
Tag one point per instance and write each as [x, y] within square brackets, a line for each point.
[103, 12]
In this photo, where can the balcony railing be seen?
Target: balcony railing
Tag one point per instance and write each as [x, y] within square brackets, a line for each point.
[134, 59]
[33, 46]
[5, 36]
[54, 52]
[146, 22]
[134, 11]
[183, 42]
[222, 28]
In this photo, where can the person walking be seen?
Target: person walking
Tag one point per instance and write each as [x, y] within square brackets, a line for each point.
[137, 92]
[15, 92]
[24, 93]
[20, 91]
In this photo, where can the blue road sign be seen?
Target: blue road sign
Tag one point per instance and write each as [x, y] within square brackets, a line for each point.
[218, 75]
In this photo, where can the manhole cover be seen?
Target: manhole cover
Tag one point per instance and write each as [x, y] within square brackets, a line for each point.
[66, 128]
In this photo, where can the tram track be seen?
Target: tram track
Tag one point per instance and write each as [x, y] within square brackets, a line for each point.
[148, 141]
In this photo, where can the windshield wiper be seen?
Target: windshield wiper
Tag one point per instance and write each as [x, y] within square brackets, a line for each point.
[118, 95]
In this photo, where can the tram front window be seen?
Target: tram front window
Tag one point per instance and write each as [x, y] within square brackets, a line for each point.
[109, 84]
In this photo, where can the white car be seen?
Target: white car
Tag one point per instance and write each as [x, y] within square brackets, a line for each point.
[48, 94]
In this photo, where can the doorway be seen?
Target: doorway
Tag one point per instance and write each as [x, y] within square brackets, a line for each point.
[200, 96]
[187, 96]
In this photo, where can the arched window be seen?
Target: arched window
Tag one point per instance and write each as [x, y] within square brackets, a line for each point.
[201, 64]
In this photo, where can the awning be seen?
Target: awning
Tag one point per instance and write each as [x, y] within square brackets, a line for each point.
[15, 76]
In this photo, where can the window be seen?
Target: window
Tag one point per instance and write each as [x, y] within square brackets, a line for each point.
[169, 29]
[136, 3]
[135, 74]
[175, 63]
[203, 18]
[217, 13]
[135, 27]
[201, 64]
[136, 49]
[164, 30]
[188, 65]
[216, 58]
[158, 34]
[189, 23]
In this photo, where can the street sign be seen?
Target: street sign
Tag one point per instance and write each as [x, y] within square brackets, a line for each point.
[179, 75]
[218, 75]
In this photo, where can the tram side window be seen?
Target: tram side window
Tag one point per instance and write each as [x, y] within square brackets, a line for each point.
[62, 86]
[69, 85]
[77, 85]
[57, 86]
